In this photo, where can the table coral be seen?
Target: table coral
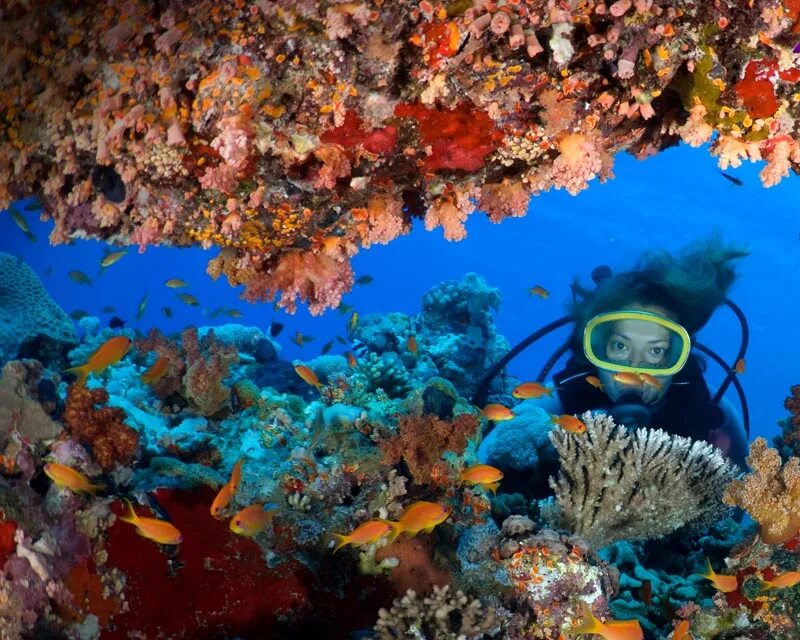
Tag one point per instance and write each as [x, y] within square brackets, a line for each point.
[294, 134]
[111, 441]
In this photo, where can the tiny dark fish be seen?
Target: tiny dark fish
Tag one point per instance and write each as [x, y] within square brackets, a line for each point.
[344, 308]
[108, 182]
[733, 179]
[275, 329]
[233, 313]
[116, 323]
[80, 277]
[189, 299]
[364, 279]
[78, 314]
[49, 270]
[108, 309]
[215, 313]
[326, 347]
[341, 340]
[166, 311]
[141, 308]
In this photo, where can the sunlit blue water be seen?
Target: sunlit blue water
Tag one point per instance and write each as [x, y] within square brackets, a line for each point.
[666, 202]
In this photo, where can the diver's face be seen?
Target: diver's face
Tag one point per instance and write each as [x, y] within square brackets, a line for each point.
[637, 344]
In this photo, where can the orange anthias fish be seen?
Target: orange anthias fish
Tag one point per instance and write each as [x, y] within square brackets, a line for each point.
[614, 630]
[153, 529]
[365, 533]
[569, 423]
[784, 580]
[64, 476]
[531, 390]
[351, 359]
[484, 475]
[628, 378]
[111, 352]
[540, 291]
[420, 516]
[723, 583]
[739, 366]
[236, 475]
[497, 412]
[223, 498]
[157, 371]
[681, 631]
[308, 375]
[650, 381]
[595, 382]
[411, 343]
[251, 520]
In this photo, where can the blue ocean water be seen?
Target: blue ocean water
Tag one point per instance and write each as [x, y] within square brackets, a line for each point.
[666, 201]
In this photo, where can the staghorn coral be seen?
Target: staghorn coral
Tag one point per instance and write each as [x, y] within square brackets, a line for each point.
[421, 441]
[442, 615]
[102, 429]
[770, 493]
[294, 134]
[619, 485]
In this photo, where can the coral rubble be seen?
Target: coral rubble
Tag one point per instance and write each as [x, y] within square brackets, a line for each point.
[293, 134]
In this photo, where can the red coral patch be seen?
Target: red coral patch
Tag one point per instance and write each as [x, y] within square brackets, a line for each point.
[755, 90]
[460, 138]
[352, 134]
[7, 545]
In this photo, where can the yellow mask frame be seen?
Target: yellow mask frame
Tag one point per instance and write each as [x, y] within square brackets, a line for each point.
[679, 336]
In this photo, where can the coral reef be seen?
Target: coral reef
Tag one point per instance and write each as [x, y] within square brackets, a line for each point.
[291, 135]
[111, 441]
[30, 321]
[614, 485]
[770, 493]
[788, 442]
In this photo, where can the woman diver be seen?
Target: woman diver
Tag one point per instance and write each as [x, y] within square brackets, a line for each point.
[632, 349]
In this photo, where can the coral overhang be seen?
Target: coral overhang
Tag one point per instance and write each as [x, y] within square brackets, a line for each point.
[291, 134]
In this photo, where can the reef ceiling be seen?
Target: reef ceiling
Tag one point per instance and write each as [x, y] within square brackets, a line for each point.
[292, 133]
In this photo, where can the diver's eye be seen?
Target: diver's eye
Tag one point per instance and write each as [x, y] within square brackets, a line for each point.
[618, 346]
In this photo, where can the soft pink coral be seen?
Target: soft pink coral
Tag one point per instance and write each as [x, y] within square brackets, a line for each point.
[318, 279]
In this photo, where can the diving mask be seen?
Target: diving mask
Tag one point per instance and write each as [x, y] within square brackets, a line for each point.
[637, 342]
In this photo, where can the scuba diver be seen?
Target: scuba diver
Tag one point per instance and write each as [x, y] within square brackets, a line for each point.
[633, 349]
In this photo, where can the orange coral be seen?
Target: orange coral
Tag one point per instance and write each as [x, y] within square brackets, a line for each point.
[111, 441]
[770, 494]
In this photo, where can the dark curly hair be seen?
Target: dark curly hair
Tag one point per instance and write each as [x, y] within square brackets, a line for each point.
[691, 285]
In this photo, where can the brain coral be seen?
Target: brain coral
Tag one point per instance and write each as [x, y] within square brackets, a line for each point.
[27, 310]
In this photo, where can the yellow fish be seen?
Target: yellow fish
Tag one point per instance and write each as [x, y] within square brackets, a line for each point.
[651, 381]
[420, 516]
[628, 378]
[157, 371]
[251, 520]
[111, 258]
[353, 322]
[365, 533]
[595, 382]
[569, 423]
[723, 583]
[153, 529]
[497, 412]
[64, 476]
[308, 375]
[784, 580]
[613, 630]
[175, 283]
[531, 390]
[484, 475]
[540, 291]
[111, 352]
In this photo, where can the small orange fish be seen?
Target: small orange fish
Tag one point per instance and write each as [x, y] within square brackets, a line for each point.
[308, 375]
[351, 359]
[595, 382]
[497, 412]
[723, 583]
[64, 476]
[484, 475]
[411, 343]
[222, 500]
[157, 371]
[153, 529]
[628, 378]
[540, 291]
[739, 366]
[420, 516]
[111, 352]
[569, 423]
[251, 520]
[613, 630]
[651, 381]
[365, 533]
[299, 339]
[236, 475]
[531, 390]
[784, 580]
[681, 631]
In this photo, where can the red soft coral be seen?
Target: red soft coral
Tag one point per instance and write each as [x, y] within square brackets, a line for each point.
[318, 279]
[111, 441]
